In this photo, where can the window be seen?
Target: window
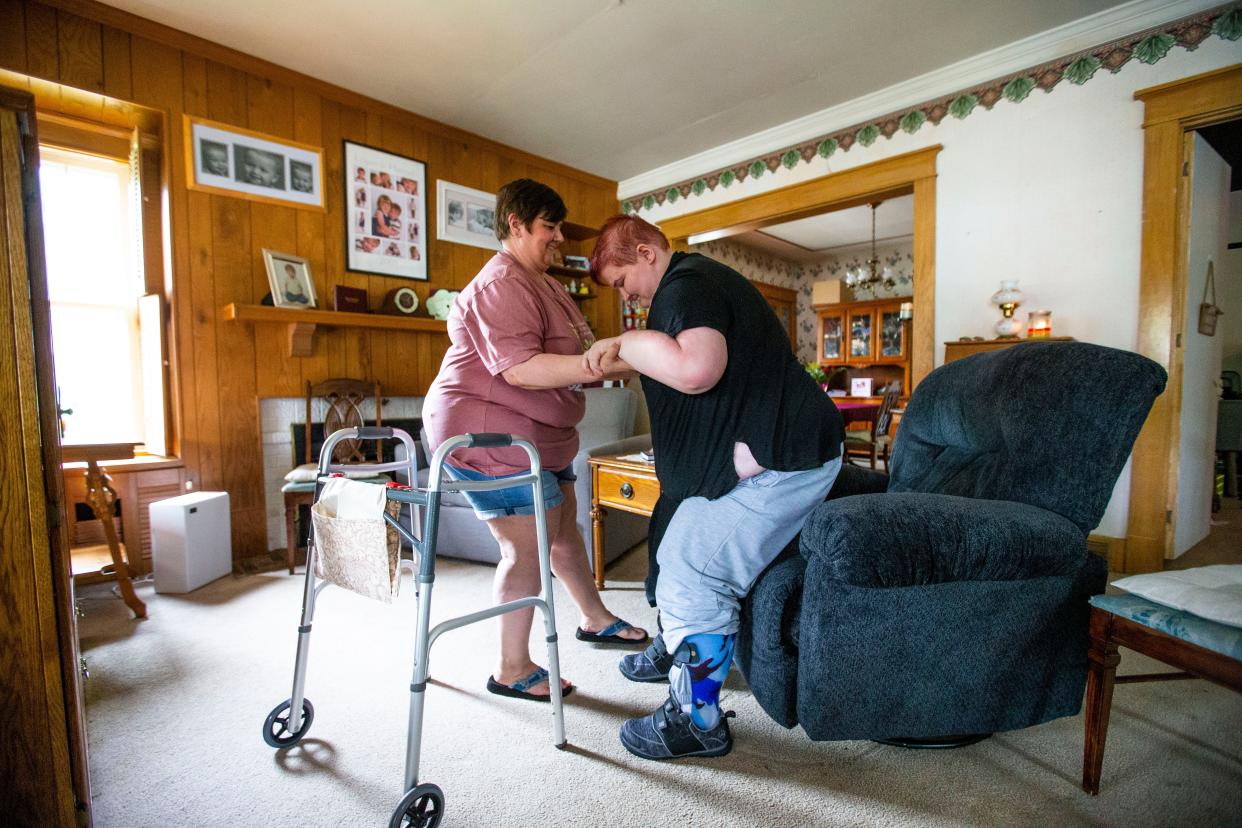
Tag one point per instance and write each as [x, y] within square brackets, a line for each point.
[92, 234]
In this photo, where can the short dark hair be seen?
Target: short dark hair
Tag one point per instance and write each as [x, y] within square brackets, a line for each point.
[528, 200]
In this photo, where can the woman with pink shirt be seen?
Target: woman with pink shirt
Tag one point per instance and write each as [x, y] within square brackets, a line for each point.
[514, 365]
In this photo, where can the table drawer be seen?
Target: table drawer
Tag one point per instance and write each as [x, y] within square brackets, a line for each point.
[627, 491]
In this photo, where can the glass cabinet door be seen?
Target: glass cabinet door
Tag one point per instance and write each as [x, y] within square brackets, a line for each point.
[830, 338]
[860, 335]
[892, 335]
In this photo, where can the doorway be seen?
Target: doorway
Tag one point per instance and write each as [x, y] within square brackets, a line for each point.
[912, 174]
[1172, 112]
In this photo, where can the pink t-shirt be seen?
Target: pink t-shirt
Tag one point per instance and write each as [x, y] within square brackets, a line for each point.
[505, 316]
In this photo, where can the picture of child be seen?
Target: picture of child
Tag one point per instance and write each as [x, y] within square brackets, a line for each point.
[361, 224]
[215, 157]
[291, 287]
[386, 221]
[301, 177]
[408, 185]
[366, 244]
[360, 175]
[414, 254]
[392, 249]
[381, 179]
[260, 167]
[360, 197]
[413, 231]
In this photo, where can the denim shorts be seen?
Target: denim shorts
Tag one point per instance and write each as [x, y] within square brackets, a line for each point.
[516, 500]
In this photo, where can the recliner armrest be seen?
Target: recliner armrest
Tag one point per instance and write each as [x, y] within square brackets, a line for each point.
[853, 480]
[913, 538]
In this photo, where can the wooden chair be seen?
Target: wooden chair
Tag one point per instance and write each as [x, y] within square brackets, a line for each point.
[874, 442]
[342, 401]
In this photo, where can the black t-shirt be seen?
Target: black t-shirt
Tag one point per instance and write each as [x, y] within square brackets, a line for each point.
[765, 398]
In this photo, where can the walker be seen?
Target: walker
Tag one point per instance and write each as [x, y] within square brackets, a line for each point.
[422, 805]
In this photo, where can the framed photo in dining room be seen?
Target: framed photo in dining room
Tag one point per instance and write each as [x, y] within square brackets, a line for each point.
[290, 280]
[226, 160]
[465, 215]
[386, 213]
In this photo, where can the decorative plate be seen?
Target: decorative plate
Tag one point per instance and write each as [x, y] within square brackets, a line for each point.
[440, 303]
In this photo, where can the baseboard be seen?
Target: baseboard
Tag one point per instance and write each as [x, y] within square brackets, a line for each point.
[1112, 550]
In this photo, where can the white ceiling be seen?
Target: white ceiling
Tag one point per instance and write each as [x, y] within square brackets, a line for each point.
[614, 87]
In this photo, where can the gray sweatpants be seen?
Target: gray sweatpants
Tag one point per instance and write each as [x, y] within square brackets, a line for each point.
[713, 550]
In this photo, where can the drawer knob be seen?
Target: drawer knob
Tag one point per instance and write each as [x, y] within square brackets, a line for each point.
[627, 491]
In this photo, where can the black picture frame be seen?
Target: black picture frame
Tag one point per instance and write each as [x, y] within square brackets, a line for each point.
[385, 212]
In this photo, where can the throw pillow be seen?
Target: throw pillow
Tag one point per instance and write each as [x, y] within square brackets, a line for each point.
[307, 472]
[1211, 592]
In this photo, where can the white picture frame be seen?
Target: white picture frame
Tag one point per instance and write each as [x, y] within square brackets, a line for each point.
[386, 213]
[465, 215]
[860, 387]
[226, 160]
[290, 280]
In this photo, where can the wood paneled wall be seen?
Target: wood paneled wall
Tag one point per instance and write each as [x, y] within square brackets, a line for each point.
[62, 49]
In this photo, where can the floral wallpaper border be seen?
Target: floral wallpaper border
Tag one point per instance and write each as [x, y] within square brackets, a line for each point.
[1148, 47]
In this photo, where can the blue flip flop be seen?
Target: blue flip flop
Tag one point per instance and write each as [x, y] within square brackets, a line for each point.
[518, 690]
[608, 635]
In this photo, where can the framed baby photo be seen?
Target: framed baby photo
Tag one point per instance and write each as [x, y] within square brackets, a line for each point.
[385, 213]
[290, 279]
[228, 160]
[465, 216]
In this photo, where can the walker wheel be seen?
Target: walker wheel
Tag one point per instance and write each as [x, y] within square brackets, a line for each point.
[276, 728]
[421, 807]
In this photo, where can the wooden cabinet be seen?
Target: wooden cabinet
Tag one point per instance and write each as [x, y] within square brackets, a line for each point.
[863, 335]
[137, 485]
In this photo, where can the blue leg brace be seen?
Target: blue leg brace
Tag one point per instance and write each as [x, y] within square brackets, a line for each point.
[700, 666]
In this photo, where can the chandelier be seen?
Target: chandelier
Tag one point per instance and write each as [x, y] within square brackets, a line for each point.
[869, 275]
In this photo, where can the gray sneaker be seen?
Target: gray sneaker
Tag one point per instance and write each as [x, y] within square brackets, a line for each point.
[651, 665]
[669, 733]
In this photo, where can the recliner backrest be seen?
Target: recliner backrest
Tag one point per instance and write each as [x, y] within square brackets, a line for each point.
[1049, 424]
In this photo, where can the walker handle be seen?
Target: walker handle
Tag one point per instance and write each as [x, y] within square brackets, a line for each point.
[489, 440]
[374, 433]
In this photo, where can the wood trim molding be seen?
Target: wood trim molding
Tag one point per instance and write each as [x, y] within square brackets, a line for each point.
[1170, 111]
[912, 172]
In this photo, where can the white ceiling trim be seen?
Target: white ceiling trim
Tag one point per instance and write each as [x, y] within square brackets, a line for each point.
[1062, 41]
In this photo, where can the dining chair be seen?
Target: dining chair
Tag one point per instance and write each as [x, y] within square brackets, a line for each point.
[341, 401]
[874, 443]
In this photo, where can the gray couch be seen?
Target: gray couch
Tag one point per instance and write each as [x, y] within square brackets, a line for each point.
[606, 428]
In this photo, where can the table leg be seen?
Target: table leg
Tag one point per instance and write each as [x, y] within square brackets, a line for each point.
[102, 499]
[597, 543]
[1102, 660]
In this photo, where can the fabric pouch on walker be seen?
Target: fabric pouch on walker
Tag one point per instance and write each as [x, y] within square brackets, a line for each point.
[354, 548]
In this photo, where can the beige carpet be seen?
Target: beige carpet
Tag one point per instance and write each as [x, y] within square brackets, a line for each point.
[176, 704]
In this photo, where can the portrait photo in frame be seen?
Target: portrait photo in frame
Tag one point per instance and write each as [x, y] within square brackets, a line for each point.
[386, 213]
[465, 215]
[228, 160]
[290, 280]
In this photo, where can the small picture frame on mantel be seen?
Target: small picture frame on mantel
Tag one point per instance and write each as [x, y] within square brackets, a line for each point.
[290, 280]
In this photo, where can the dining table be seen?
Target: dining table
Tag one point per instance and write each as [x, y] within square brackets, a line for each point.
[856, 411]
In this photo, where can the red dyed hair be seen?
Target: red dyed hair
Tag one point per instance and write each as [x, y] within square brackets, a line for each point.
[619, 239]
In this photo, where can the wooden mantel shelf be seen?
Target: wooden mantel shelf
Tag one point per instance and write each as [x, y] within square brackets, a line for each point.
[302, 323]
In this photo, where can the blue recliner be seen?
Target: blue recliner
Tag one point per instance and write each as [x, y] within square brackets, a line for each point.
[950, 598]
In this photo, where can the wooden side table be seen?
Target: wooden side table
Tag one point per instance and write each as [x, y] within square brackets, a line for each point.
[618, 483]
[958, 348]
[102, 499]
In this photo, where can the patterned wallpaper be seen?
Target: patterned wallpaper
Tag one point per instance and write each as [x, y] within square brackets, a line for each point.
[762, 266]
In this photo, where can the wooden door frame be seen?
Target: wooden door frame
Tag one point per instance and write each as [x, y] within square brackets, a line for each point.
[911, 172]
[1171, 112]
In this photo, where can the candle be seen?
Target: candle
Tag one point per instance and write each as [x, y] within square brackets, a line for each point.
[1039, 324]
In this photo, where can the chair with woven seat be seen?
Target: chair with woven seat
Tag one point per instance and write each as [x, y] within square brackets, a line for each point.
[342, 401]
[874, 442]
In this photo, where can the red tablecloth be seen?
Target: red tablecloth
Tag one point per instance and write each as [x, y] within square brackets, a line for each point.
[854, 412]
